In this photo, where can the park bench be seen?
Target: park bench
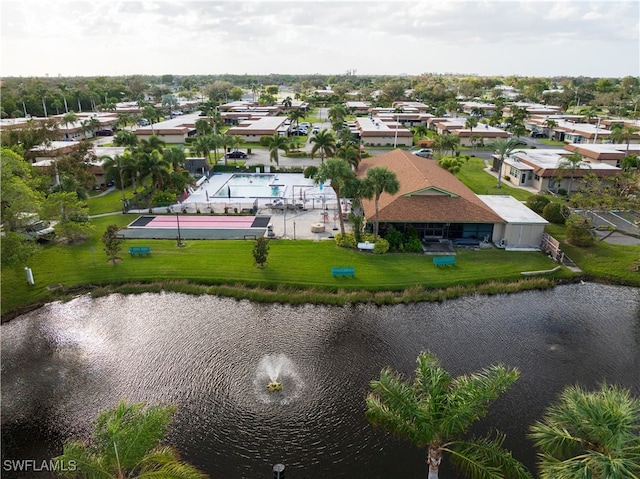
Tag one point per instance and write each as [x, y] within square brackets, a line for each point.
[343, 271]
[139, 250]
[444, 260]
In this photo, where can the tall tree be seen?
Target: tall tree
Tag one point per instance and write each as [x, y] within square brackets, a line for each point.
[275, 143]
[550, 124]
[503, 148]
[378, 180]
[115, 167]
[471, 122]
[339, 173]
[204, 144]
[126, 443]
[572, 163]
[436, 411]
[586, 435]
[325, 143]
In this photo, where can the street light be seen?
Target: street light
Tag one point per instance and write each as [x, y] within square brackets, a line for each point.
[179, 238]
[395, 140]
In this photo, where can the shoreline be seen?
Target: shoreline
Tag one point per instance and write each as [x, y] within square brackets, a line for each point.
[296, 296]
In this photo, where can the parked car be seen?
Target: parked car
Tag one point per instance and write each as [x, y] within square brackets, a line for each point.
[537, 134]
[315, 129]
[104, 133]
[236, 154]
[299, 131]
[304, 125]
[424, 152]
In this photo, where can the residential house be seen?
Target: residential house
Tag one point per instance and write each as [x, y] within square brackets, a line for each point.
[441, 207]
[542, 169]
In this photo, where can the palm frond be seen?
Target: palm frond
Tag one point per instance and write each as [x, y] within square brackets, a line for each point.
[590, 433]
[164, 463]
[470, 395]
[486, 458]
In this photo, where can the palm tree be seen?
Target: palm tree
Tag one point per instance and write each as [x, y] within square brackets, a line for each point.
[435, 411]
[287, 102]
[153, 143]
[174, 157]
[589, 435]
[204, 144]
[273, 144]
[420, 131]
[572, 163]
[115, 165]
[203, 127]
[325, 143]
[337, 113]
[340, 173]
[622, 134]
[471, 123]
[131, 165]
[550, 124]
[503, 148]
[68, 119]
[350, 154]
[296, 115]
[155, 165]
[378, 180]
[126, 443]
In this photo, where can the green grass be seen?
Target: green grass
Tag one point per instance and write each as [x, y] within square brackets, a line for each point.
[294, 264]
[616, 263]
[480, 182]
[299, 271]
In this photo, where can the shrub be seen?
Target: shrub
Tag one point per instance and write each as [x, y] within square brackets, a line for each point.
[348, 241]
[562, 192]
[381, 246]
[261, 251]
[395, 238]
[555, 213]
[579, 231]
[163, 198]
[538, 202]
[413, 245]
[368, 237]
[410, 232]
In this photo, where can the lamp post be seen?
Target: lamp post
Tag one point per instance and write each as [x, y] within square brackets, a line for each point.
[395, 139]
[179, 238]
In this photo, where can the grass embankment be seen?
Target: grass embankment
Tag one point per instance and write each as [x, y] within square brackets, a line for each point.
[297, 271]
[608, 262]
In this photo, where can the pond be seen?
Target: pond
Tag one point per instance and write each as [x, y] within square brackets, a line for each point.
[212, 357]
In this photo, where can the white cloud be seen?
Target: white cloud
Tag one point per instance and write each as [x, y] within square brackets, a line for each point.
[89, 37]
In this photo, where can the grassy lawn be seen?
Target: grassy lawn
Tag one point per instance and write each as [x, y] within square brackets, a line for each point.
[473, 175]
[616, 263]
[301, 265]
[294, 263]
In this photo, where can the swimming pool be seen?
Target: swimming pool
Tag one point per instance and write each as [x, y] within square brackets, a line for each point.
[251, 185]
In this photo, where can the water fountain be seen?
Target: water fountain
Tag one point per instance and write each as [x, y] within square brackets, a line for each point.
[279, 374]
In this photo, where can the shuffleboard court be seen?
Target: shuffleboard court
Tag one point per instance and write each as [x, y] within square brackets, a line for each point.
[196, 227]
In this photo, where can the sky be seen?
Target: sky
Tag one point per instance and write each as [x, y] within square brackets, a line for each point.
[392, 37]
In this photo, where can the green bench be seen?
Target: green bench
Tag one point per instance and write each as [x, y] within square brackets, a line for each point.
[444, 260]
[343, 271]
[139, 250]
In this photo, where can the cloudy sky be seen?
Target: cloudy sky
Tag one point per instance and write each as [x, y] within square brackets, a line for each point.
[484, 37]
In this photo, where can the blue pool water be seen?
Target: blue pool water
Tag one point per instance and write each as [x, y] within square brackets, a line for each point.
[251, 185]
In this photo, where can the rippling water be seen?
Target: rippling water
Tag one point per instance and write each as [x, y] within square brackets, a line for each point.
[212, 357]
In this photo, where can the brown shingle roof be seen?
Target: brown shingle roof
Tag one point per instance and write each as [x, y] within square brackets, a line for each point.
[428, 193]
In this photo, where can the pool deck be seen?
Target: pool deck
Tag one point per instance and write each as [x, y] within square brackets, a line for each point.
[312, 213]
